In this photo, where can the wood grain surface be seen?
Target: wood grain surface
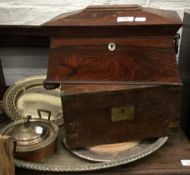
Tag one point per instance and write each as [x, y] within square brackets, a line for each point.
[102, 21]
[144, 49]
[134, 59]
[88, 117]
[6, 156]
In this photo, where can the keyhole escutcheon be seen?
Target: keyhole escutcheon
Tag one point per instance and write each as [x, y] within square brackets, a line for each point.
[111, 46]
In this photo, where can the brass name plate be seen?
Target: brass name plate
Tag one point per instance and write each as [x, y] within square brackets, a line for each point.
[122, 113]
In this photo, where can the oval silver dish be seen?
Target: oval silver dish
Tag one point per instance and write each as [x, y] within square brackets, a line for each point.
[64, 161]
[28, 95]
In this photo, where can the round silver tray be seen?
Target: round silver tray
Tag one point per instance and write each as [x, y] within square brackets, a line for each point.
[99, 156]
[28, 97]
[65, 161]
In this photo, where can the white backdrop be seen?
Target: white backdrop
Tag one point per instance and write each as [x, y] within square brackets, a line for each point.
[35, 12]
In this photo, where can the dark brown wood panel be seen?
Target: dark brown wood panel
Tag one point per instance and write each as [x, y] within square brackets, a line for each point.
[88, 113]
[25, 36]
[134, 59]
[23, 41]
[111, 31]
[98, 21]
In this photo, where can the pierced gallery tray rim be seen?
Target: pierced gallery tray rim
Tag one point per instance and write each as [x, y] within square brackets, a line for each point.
[15, 92]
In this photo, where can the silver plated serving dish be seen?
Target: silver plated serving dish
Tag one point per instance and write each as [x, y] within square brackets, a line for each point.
[110, 152]
[64, 161]
[28, 95]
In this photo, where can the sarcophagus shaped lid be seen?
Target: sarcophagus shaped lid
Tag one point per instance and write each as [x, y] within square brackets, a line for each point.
[128, 19]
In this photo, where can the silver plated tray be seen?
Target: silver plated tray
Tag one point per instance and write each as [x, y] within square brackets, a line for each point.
[28, 97]
[65, 161]
[92, 154]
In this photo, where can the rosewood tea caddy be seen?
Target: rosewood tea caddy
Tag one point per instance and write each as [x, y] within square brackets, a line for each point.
[117, 69]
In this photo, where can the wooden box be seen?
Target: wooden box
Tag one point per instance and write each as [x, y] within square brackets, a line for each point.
[97, 114]
[118, 73]
[105, 44]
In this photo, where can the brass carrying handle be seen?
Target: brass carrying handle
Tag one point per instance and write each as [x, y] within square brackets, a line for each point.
[27, 121]
[45, 111]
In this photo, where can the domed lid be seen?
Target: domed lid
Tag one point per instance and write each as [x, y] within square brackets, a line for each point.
[29, 133]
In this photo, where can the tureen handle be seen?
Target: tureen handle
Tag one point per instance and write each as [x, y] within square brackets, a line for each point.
[43, 110]
[27, 121]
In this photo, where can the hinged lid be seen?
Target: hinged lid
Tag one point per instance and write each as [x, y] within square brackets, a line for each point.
[114, 17]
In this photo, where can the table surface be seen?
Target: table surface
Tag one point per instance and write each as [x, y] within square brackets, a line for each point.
[167, 160]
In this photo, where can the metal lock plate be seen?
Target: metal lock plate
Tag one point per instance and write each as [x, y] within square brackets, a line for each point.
[122, 113]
